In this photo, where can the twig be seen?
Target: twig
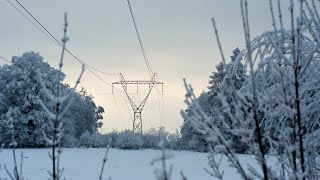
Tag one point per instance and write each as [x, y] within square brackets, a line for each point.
[104, 160]
[218, 40]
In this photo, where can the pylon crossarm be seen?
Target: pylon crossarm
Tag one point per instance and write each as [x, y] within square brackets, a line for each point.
[137, 82]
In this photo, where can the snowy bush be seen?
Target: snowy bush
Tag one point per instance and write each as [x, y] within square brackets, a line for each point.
[152, 138]
[69, 141]
[174, 141]
[129, 140]
[93, 140]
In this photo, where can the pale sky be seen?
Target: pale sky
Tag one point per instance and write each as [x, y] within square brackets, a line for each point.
[177, 35]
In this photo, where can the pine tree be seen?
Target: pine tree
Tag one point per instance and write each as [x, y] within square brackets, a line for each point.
[190, 138]
[222, 103]
[216, 78]
[223, 83]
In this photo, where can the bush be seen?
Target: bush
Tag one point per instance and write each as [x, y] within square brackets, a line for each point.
[129, 140]
[94, 140]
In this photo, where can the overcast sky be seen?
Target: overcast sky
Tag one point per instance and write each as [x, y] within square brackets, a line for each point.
[177, 35]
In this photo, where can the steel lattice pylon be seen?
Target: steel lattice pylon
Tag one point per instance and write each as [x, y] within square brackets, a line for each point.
[137, 110]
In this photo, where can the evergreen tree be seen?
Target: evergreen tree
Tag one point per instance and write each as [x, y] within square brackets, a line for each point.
[190, 138]
[216, 79]
[218, 103]
[223, 97]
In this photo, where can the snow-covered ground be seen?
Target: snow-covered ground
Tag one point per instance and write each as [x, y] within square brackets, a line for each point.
[85, 164]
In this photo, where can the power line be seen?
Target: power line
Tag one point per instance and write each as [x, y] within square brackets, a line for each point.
[51, 37]
[89, 67]
[103, 80]
[55, 39]
[57, 42]
[139, 39]
[5, 59]
[36, 21]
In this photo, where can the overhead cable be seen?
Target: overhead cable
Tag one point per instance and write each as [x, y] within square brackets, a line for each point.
[139, 39]
[5, 59]
[54, 38]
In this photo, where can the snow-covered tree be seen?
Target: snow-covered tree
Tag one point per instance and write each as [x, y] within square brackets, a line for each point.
[191, 139]
[276, 108]
[221, 84]
[85, 114]
[20, 92]
[222, 102]
[217, 78]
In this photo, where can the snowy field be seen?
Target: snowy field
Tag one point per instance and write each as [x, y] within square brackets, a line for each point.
[122, 164]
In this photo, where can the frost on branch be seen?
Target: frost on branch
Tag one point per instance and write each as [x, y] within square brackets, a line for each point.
[62, 99]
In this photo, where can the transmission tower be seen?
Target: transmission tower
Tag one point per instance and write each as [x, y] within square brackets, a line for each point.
[137, 110]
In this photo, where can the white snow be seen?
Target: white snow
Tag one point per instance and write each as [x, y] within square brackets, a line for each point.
[121, 164]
